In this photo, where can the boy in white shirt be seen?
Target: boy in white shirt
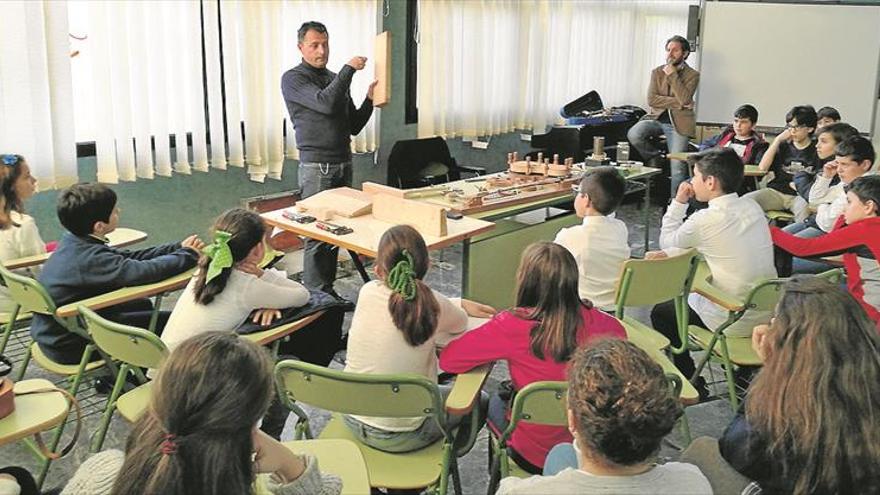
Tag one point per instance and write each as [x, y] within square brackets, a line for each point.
[732, 236]
[600, 244]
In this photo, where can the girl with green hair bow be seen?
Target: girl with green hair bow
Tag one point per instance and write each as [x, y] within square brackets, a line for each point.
[398, 324]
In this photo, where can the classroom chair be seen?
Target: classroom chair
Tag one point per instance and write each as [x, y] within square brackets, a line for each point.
[30, 296]
[543, 403]
[339, 457]
[398, 396]
[731, 351]
[650, 282]
[134, 348]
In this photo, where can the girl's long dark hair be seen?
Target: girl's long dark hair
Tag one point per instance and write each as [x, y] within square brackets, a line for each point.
[547, 292]
[247, 229]
[816, 401]
[417, 319]
[207, 398]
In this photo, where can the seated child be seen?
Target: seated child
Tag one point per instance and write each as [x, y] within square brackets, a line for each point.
[84, 266]
[398, 324]
[600, 244]
[19, 236]
[857, 234]
[741, 136]
[854, 157]
[731, 235]
[620, 407]
[808, 422]
[199, 434]
[791, 152]
[826, 116]
[828, 138]
[537, 338]
[229, 285]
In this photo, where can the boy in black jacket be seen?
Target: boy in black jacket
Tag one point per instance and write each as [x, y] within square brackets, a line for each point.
[84, 266]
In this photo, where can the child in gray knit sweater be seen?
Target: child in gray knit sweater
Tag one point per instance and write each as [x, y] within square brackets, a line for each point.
[199, 433]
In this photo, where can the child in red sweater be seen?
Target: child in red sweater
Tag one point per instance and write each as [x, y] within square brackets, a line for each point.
[537, 338]
[856, 234]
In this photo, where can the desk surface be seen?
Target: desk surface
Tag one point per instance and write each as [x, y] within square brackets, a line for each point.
[120, 237]
[525, 202]
[367, 231]
[268, 336]
[127, 294]
[33, 413]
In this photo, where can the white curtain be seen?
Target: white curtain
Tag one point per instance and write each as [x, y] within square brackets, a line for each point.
[36, 111]
[259, 45]
[140, 77]
[487, 67]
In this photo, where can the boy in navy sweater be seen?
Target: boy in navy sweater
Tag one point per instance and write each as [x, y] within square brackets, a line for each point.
[84, 266]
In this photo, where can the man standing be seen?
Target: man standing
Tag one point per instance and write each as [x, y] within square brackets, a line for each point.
[671, 99]
[324, 118]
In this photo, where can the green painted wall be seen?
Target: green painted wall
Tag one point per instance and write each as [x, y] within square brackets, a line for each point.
[169, 208]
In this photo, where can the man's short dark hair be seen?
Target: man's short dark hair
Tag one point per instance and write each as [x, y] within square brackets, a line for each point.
[723, 164]
[605, 187]
[805, 115]
[681, 40]
[840, 131]
[828, 112]
[747, 112]
[306, 26]
[81, 205]
[858, 148]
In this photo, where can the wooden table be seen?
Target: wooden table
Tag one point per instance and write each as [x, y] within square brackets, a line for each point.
[367, 231]
[33, 413]
[120, 237]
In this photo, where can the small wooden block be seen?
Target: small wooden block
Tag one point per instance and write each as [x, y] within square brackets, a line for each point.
[373, 188]
[343, 201]
[382, 54]
[426, 218]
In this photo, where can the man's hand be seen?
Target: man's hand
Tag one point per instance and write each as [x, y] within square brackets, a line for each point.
[668, 69]
[656, 255]
[685, 193]
[193, 242]
[265, 316]
[357, 63]
[829, 170]
[372, 88]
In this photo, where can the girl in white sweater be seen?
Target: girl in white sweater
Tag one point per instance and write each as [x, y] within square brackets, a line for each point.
[19, 236]
[397, 327]
[229, 285]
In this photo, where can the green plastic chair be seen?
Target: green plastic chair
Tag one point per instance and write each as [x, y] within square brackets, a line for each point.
[736, 351]
[32, 297]
[649, 282]
[392, 396]
[13, 321]
[543, 403]
[134, 348]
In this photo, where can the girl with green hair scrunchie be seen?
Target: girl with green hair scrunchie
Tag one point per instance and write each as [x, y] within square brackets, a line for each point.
[398, 324]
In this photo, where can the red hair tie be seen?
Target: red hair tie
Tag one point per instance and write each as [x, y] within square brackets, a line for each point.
[169, 446]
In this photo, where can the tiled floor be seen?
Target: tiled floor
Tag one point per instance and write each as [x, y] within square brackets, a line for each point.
[705, 419]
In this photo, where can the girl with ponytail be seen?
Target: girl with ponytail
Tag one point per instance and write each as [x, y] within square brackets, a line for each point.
[199, 434]
[229, 285]
[537, 338]
[398, 324]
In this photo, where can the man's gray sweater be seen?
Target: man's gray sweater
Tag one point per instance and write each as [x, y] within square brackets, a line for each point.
[323, 114]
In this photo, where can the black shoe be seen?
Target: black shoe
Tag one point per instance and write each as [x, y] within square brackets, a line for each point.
[702, 388]
[104, 385]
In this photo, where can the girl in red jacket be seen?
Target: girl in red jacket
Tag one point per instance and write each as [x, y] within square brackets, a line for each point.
[537, 338]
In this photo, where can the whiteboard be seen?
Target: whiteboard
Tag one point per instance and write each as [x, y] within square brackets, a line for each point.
[776, 56]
